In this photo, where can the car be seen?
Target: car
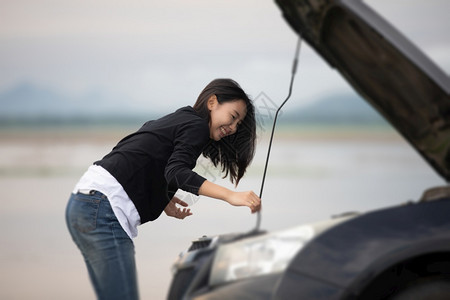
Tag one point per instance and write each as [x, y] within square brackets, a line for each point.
[398, 252]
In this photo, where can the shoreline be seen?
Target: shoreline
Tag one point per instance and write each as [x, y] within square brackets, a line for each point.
[101, 133]
[66, 152]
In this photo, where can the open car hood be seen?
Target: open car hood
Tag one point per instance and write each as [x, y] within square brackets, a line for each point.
[386, 69]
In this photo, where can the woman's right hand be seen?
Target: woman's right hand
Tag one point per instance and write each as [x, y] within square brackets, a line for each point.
[248, 198]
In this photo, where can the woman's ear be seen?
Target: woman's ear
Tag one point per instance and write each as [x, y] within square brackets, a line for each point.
[212, 102]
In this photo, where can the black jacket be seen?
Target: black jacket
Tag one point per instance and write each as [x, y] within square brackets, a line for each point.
[152, 163]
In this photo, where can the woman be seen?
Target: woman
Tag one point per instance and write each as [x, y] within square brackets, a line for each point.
[138, 179]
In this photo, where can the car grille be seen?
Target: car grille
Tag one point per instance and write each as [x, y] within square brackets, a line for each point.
[201, 243]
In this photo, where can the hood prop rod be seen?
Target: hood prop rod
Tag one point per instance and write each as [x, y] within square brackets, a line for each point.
[294, 70]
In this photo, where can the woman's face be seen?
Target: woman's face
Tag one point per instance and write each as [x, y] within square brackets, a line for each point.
[225, 117]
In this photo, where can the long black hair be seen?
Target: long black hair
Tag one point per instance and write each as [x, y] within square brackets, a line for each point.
[234, 152]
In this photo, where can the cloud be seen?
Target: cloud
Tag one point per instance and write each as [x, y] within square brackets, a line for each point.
[162, 53]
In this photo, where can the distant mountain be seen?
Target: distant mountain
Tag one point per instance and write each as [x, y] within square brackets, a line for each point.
[341, 108]
[28, 100]
[31, 104]
[28, 103]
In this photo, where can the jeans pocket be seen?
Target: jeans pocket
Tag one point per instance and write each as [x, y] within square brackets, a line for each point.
[83, 212]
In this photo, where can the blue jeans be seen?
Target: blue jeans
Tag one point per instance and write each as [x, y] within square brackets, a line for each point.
[106, 248]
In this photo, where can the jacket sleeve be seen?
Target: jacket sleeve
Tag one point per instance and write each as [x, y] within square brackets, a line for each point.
[190, 139]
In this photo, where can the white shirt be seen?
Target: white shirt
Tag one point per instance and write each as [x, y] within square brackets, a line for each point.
[97, 178]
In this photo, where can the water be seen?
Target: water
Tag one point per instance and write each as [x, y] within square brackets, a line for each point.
[311, 176]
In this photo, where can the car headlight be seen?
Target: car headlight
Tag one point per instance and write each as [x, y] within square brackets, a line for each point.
[260, 255]
[266, 254]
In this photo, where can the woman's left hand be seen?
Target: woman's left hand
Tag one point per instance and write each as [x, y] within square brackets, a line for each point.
[172, 210]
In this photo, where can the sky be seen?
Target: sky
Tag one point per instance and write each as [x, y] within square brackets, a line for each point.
[158, 55]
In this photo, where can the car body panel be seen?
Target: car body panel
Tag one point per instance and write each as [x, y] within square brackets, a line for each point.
[353, 253]
[255, 288]
[387, 70]
[300, 286]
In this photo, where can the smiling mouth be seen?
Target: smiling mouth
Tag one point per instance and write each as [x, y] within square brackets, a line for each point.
[223, 132]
